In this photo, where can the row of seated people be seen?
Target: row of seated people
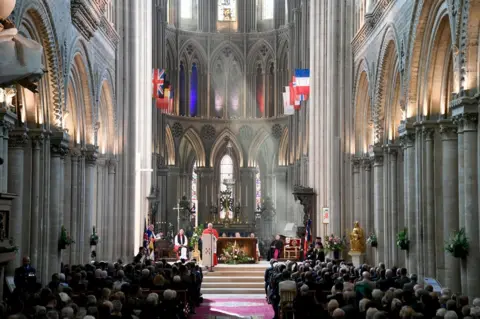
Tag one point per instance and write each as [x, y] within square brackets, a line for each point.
[335, 289]
[107, 291]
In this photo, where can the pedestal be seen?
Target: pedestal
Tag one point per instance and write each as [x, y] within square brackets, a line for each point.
[357, 258]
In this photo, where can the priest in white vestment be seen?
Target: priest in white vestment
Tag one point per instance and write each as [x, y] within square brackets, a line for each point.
[181, 245]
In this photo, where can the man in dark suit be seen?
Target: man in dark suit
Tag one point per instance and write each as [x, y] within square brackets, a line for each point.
[25, 275]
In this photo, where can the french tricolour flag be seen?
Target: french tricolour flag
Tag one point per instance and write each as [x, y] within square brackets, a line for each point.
[302, 88]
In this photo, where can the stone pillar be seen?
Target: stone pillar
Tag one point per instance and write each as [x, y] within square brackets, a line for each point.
[461, 198]
[281, 192]
[37, 138]
[394, 229]
[429, 134]
[408, 139]
[450, 199]
[469, 122]
[90, 167]
[111, 254]
[75, 249]
[378, 203]
[357, 210]
[17, 141]
[247, 183]
[368, 212]
[59, 148]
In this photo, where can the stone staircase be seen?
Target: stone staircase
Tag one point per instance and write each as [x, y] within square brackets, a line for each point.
[235, 279]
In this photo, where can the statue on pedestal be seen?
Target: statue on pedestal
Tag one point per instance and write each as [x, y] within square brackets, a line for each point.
[357, 239]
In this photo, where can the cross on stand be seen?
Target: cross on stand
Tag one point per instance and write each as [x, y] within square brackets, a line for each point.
[178, 208]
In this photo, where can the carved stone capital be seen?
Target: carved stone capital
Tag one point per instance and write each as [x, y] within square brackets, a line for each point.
[18, 138]
[367, 164]
[448, 130]
[378, 160]
[407, 140]
[91, 155]
[38, 137]
[59, 143]
[428, 133]
[75, 154]
[466, 122]
[7, 121]
[356, 162]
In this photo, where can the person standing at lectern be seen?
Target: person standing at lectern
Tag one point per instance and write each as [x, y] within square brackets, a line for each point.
[211, 231]
[181, 244]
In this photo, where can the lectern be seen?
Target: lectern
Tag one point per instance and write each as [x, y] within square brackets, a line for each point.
[209, 247]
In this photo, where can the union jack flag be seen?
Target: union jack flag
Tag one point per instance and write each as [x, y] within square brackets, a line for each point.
[158, 83]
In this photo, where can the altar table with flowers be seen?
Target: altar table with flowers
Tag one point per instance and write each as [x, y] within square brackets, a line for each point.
[247, 246]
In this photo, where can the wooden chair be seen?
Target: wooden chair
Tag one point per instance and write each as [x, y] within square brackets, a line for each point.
[286, 302]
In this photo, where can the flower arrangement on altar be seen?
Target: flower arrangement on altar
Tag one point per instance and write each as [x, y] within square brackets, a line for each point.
[458, 245]
[197, 234]
[232, 254]
[94, 237]
[335, 243]
[372, 240]
[65, 239]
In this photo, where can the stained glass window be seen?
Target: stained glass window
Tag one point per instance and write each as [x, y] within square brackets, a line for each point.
[258, 189]
[226, 170]
[227, 10]
[194, 183]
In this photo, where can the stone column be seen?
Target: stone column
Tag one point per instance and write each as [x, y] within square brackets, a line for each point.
[37, 138]
[392, 150]
[17, 141]
[471, 202]
[111, 254]
[247, 183]
[281, 192]
[378, 203]
[410, 204]
[357, 210]
[429, 134]
[75, 249]
[90, 166]
[59, 148]
[368, 212]
[461, 197]
[450, 199]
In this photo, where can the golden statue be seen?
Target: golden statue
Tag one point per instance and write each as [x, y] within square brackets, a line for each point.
[357, 239]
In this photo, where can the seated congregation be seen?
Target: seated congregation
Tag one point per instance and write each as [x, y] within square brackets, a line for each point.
[335, 289]
[142, 290]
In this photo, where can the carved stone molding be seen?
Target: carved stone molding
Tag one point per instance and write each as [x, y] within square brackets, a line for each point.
[109, 31]
[356, 162]
[91, 155]
[448, 130]
[59, 144]
[466, 122]
[277, 131]
[407, 140]
[37, 137]
[75, 154]
[177, 130]
[428, 133]
[18, 138]
[87, 16]
[378, 160]
[367, 164]
[112, 166]
[208, 132]
[246, 134]
[306, 196]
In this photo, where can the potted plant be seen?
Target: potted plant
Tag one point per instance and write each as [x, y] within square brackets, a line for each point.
[197, 234]
[372, 240]
[402, 239]
[335, 244]
[94, 238]
[458, 245]
[65, 239]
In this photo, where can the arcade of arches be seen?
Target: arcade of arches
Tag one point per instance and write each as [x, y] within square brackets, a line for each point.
[388, 137]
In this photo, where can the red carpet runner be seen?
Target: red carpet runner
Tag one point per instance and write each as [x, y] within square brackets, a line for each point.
[223, 308]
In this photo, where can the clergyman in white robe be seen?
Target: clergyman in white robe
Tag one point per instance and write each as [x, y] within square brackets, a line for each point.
[181, 243]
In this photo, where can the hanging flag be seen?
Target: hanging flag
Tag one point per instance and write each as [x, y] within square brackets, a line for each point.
[158, 83]
[302, 81]
[308, 236]
[287, 107]
[145, 236]
[163, 102]
[293, 95]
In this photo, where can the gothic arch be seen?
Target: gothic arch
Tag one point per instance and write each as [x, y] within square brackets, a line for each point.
[198, 54]
[192, 137]
[108, 77]
[220, 143]
[169, 147]
[362, 118]
[106, 131]
[257, 141]
[469, 41]
[38, 23]
[387, 62]
[227, 45]
[262, 52]
[283, 153]
[420, 33]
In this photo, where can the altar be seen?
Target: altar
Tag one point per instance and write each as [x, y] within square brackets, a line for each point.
[246, 244]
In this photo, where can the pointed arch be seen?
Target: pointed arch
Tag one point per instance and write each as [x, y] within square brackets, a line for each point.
[106, 139]
[192, 137]
[170, 147]
[257, 142]
[283, 153]
[261, 50]
[226, 45]
[363, 116]
[221, 142]
[197, 52]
